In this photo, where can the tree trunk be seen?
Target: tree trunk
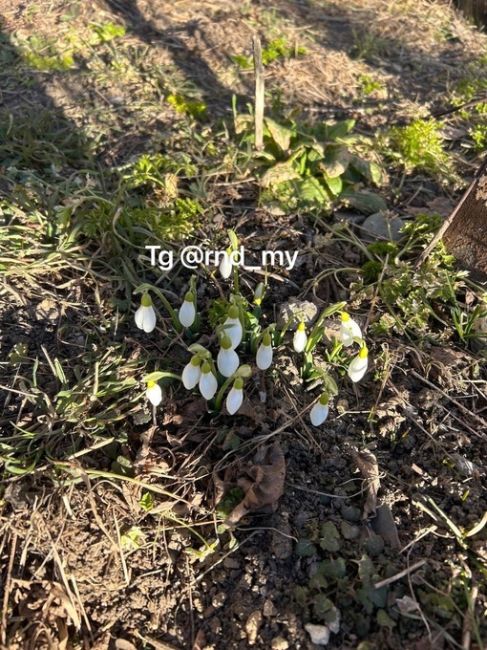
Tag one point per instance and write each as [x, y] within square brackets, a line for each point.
[474, 9]
[466, 235]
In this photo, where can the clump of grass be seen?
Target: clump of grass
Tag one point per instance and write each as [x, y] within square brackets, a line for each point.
[278, 48]
[419, 146]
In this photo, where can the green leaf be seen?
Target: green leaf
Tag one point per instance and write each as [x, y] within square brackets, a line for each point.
[336, 161]
[335, 185]
[384, 620]
[310, 190]
[304, 548]
[329, 537]
[146, 501]
[364, 201]
[340, 129]
[368, 169]
[280, 134]
[279, 173]
[159, 374]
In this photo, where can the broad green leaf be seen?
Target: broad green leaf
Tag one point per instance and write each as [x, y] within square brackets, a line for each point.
[278, 173]
[310, 190]
[280, 134]
[340, 129]
[335, 185]
[336, 161]
[366, 202]
[368, 169]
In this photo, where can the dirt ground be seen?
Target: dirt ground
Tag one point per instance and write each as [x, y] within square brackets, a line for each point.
[85, 562]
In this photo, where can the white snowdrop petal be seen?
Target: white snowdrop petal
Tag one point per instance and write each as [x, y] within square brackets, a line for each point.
[299, 340]
[191, 375]
[149, 319]
[208, 385]
[357, 368]
[154, 394]
[227, 362]
[233, 329]
[264, 356]
[350, 330]
[225, 266]
[187, 313]
[145, 318]
[234, 400]
[318, 414]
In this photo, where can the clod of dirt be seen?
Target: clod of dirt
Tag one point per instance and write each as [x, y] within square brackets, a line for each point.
[252, 626]
[320, 634]
[297, 311]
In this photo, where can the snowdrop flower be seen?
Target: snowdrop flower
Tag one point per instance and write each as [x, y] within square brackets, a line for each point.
[154, 393]
[145, 316]
[207, 383]
[187, 311]
[191, 373]
[358, 365]
[349, 330]
[233, 327]
[227, 360]
[226, 265]
[235, 396]
[300, 338]
[319, 412]
[264, 352]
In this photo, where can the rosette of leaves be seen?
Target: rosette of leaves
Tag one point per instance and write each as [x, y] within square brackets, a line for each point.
[316, 167]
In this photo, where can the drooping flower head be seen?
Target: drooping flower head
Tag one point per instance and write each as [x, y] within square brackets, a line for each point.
[191, 373]
[358, 365]
[187, 311]
[227, 360]
[264, 352]
[320, 410]
[349, 330]
[208, 384]
[235, 396]
[233, 327]
[226, 265]
[145, 316]
[300, 338]
[259, 294]
[154, 393]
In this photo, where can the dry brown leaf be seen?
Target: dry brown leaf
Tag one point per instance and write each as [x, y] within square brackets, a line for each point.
[367, 464]
[263, 484]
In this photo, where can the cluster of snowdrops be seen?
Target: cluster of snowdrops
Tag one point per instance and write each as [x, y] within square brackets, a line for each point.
[240, 333]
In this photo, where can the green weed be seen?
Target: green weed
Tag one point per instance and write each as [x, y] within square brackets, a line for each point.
[420, 146]
[276, 49]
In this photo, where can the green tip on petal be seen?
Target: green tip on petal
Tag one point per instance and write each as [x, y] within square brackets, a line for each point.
[301, 327]
[233, 311]
[324, 399]
[195, 361]
[151, 384]
[238, 383]
[146, 300]
[363, 353]
[266, 339]
[189, 297]
[205, 368]
[226, 342]
[344, 316]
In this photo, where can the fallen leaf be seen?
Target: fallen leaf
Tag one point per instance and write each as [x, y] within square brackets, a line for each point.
[262, 482]
[367, 464]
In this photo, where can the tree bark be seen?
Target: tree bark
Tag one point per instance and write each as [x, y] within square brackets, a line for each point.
[466, 236]
[474, 9]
